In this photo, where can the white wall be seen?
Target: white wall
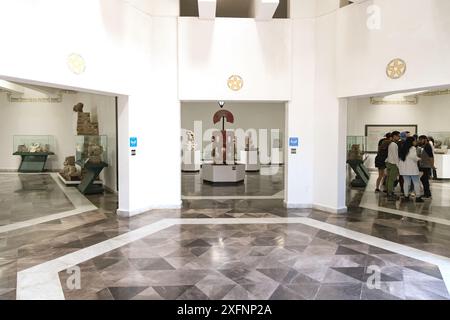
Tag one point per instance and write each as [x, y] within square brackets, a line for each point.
[127, 53]
[413, 30]
[246, 115]
[431, 114]
[210, 51]
[58, 120]
[54, 119]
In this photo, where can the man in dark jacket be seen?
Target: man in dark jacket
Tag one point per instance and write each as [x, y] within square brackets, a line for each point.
[426, 164]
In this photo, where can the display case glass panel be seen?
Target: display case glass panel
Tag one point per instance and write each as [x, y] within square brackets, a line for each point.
[441, 141]
[92, 149]
[33, 144]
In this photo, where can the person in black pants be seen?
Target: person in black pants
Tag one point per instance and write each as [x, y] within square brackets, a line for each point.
[380, 160]
[426, 164]
[431, 141]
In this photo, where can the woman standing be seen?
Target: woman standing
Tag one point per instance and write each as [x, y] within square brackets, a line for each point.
[409, 169]
[380, 159]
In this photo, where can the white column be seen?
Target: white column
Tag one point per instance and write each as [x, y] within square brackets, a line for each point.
[265, 9]
[207, 9]
[330, 124]
[300, 167]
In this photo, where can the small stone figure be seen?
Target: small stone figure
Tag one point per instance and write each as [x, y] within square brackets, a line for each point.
[35, 147]
[70, 171]
[190, 141]
[22, 148]
[355, 153]
[95, 153]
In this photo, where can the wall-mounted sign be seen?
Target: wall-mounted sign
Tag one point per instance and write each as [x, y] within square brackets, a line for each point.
[396, 68]
[76, 63]
[293, 142]
[133, 152]
[235, 82]
[133, 142]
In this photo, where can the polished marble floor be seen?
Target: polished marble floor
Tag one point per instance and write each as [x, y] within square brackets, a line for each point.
[269, 182]
[229, 249]
[248, 262]
[25, 196]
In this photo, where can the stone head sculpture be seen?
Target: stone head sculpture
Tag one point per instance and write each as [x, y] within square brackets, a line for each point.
[78, 107]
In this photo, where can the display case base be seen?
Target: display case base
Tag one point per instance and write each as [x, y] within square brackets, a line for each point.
[33, 162]
[93, 170]
[76, 182]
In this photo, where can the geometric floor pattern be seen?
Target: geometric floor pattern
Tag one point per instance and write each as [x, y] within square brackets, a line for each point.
[258, 261]
[248, 262]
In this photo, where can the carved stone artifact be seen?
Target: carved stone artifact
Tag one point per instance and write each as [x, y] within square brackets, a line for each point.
[95, 153]
[22, 148]
[355, 153]
[85, 125]
[70, 171]
[35, 147]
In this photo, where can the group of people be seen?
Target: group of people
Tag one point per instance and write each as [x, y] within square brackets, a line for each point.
[408, 161]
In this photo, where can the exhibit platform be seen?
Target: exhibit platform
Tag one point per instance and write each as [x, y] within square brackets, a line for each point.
[223, 173]
[442, 164]
[191, 161]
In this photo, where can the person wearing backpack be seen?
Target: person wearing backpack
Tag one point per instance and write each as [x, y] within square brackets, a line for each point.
[380, 159]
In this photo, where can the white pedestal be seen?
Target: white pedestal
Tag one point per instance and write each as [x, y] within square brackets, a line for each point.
[277, 156]
[223, 173]
[191, 161]
[442, 164]
[251, 160]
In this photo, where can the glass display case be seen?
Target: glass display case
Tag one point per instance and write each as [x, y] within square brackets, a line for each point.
[91, 149]
[37, 144]
[441, 141]
[356, 147]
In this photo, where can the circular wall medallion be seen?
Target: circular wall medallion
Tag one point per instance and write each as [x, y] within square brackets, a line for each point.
[76, 63]
[396, 68]
[235, 83]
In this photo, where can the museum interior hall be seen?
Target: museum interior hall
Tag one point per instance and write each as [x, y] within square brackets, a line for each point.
[414, 114]
[225, 150]
[249, 166]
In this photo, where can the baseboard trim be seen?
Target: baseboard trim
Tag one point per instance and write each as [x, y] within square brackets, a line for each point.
[330, 209]
[128, 214]
[298, 205]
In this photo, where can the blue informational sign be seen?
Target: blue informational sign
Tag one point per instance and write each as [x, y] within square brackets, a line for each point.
[133, 142]
[293, 142]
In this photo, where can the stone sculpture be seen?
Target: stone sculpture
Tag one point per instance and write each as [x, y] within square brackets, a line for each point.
[190, 141]
[355, 153]
[224, 151]
[95, 153]
[35, 147]
[70, 171]
[85, 125]
[22, 148]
